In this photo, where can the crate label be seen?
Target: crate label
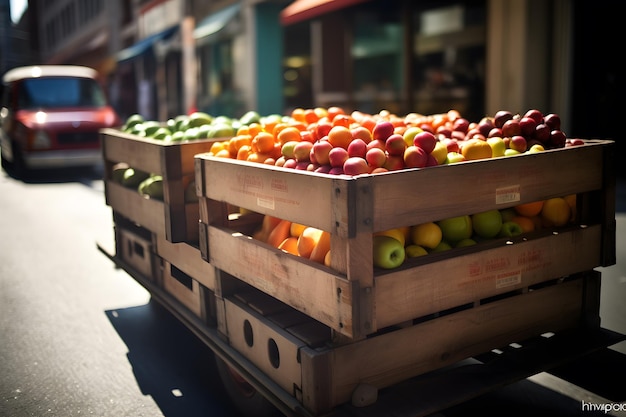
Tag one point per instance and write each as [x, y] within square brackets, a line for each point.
[510, 194]
[506, 279]
[266, 202]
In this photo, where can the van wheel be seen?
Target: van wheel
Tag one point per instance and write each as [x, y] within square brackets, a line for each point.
[244, 396]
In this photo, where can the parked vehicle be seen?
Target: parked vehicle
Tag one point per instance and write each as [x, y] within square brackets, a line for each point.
[51, 116]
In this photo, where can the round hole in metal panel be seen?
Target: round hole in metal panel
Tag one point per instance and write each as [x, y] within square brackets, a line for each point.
[273, 353]
[248, 335]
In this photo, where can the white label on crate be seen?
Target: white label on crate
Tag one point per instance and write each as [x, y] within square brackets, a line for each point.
[266, 202]
[507, 279]
[510, 194]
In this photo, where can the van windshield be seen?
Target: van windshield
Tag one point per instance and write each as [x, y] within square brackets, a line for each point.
[60, 92]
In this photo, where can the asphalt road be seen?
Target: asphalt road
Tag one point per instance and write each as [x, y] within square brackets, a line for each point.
[80, 337]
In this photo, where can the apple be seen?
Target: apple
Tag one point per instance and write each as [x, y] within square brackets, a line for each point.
[535, 114]
[414, 251]
[511, 152]
[557, 139]
[336, 170]
[361, 132]
[518, 143]
[501, 117]
[461, 125]
[376, 157]
[511, 128]
[498, 146]
[288, 148]
[454, 157]
[487, 224]
[395, 145]
[323, 169]
[382, 130]
[337, 157]
[322, 128]
[485, 125]
[496, 131]
[527, 126]
[452, 144]
[410, 133]
[454, 229]
[394, 162]
[376, 144]
[355, 165]
[387, 252]
[290, 163]
[415, 157]
[302, 150]
[508, 214]
[510, 229]
[542, 133]
[465, 242]
[553, 121]
[426, 141]
[536, 148]
[441, 247]
[440, 153]
[574, 142]
[357, 147]
[321, 149]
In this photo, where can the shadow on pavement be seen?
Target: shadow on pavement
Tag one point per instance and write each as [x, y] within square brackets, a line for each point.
[170, 363]
[85, 175]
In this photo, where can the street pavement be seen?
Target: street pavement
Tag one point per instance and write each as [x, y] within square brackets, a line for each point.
[80, 337]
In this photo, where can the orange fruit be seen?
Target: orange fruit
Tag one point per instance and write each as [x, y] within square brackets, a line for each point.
[571, 200]
[263, 142]
[340, 137]
[474, 149]
[290, 245]
[244, 152]
[298, 114]
[322, 248]
[427, 235]
[526, 223]
[555, 212]
[216, 147]
[307, 241]
[297, 229]
[223, 153]
[288, 134]
[529, 209]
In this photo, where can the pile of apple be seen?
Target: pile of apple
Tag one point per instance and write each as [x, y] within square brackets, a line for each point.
[328, 140]
[391, 248]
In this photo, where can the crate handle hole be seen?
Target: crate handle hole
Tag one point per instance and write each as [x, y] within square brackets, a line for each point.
[248, 334]
[273, 353]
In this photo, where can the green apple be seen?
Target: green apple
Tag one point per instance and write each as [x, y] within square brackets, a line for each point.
[510, 229]
[508, 214]
[465, 242]
[409, 134]
[511, 152]
[454, 157]
[498, 146]
[454, 229]
[441, 247]
[152, 187]
[487, 224]
[413, 251]
[388, 253]
[133, 177]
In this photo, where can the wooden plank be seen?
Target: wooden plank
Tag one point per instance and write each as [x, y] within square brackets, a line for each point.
[294, 281]
[146, 212]
[437, 286]
[401, 354]
[271, 349]
[188, 259]
[183, 288]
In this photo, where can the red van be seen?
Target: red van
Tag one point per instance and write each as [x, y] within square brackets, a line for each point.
[51, 116]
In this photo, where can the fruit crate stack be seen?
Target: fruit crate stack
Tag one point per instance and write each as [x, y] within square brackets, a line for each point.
[156, 232]
[433, 310]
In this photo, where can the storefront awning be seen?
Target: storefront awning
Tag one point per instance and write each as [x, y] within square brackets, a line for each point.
[145, 44]
[215, 22]
[301, 10]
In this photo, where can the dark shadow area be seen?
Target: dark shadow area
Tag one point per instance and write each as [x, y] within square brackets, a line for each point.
[170, 364]
[84, 175]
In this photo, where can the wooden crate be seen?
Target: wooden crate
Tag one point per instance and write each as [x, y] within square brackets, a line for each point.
[176, 219]
[135, 247]
[355, 299]
[182, 287]
[322, 376]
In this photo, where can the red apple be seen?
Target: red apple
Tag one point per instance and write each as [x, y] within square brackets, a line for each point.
[337, 157]
[461, 125]
[357, 147]
[321, 149]
[511, 128]
[323, 169]
[501, 117]
[542, 133]
[376, 144]
[355, 165]
[302, 150]
[376, 157]
[395, 144]
[415, 157]
[394, 162]
[323, 128]
[451, 144]
[553, 121]
[557, 139]
[382, 130]
[527, 126]
[535, 114]
[518, 143]
[426, 141]
[290, 163]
